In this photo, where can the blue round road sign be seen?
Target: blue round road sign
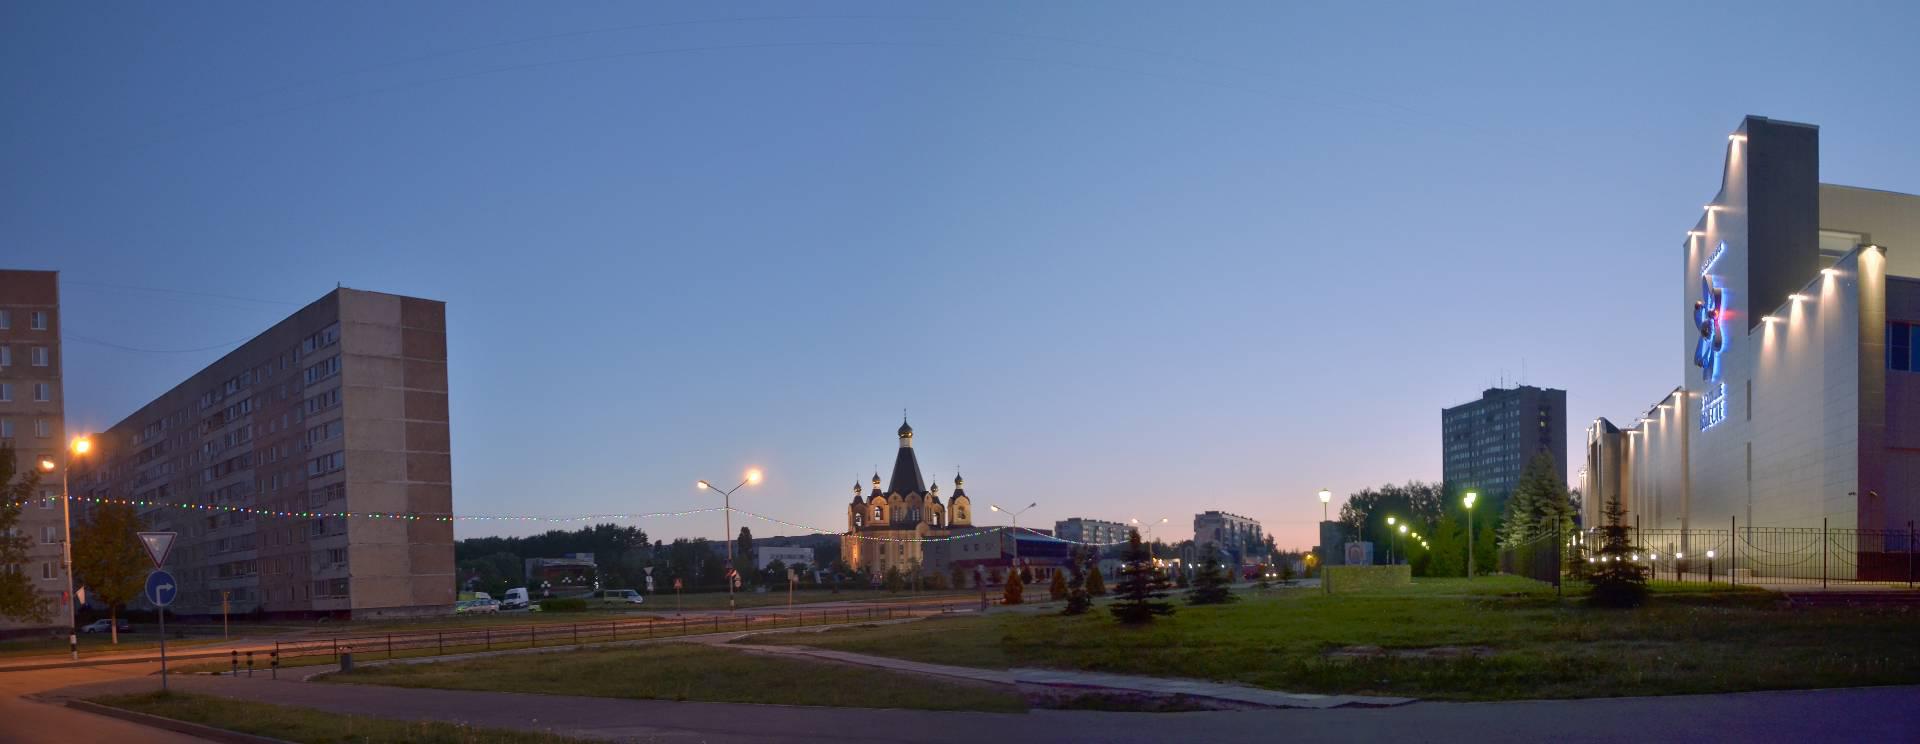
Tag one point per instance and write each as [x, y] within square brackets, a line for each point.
[161, 588]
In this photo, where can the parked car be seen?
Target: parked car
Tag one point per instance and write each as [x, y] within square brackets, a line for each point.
[476, 607]
[103, 626]
[618, 596]
[515, 599]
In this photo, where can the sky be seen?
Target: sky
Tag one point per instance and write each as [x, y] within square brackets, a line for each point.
[1122, 260]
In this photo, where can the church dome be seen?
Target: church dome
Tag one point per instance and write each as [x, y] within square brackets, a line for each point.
[905, 430]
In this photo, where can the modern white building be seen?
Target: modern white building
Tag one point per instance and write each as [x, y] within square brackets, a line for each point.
[1799, 399]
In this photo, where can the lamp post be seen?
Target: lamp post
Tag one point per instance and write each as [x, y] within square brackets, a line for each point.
[726, 501]
[80, 446]
[1403, 534]
[1148, 528]
[1390, 522]
[1471, 497]
[1325, 497]
[1014, 573]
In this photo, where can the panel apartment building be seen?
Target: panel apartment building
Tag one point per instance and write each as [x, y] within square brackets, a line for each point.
[1486, 443]
[32, 421]
[339, 409]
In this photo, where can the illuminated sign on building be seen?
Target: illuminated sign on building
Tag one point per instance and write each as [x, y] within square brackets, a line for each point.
[1710, 316]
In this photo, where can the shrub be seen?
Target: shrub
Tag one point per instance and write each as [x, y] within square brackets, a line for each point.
[563, 604]
[1014, 591]
[1058, 589]
[1096, 585]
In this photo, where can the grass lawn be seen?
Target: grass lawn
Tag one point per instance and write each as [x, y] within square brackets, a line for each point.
[94, 644]
[664, 601]
[1491, 638]
[687, 671]
[312, 726]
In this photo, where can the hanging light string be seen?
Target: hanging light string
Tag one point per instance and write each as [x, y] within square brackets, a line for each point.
[555, 519]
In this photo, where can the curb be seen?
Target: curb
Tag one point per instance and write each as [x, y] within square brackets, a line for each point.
[170, 724]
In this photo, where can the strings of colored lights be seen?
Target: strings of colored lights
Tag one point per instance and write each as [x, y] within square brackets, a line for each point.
[557, 519]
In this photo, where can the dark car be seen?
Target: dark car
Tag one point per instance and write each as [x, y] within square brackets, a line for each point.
[102, 626]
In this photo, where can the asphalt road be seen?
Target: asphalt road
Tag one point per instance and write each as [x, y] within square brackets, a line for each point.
[25, 721]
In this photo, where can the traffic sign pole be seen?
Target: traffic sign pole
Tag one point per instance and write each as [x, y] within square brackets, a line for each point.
[162, 588]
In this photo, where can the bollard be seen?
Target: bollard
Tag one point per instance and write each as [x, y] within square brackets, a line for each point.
[440, 643]
[236, 663]
[249, 665]
[273, 665]
[346, 661]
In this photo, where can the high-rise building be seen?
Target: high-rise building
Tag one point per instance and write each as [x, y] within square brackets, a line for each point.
[1239, 537]
[32, 420]
[1111, 537]
[308, 472]
[1796, 326]
[1487, 442]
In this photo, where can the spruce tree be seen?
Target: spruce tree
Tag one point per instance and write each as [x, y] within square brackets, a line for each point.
[1058, 589]
[1096, 584]
[1210, 585]
[894, 580]
[1078, 601]
[1015, 592]
[1141, 587]
[1618, 580]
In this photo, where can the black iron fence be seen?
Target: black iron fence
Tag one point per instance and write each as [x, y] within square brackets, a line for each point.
[1768, 556]
[1540, 559]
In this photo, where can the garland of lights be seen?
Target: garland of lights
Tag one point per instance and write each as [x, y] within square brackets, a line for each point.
[438, 517]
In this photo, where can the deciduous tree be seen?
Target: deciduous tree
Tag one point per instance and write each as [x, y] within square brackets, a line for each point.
[18, 600]
[108, 558]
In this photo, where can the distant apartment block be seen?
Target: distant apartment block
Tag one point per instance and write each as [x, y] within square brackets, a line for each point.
[339, 409]
[1239, 537]
[32, 421]
[1487, 442]
[1111, 536]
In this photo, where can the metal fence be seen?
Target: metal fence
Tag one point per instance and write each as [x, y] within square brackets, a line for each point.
[1768, 556]
[1540, 560]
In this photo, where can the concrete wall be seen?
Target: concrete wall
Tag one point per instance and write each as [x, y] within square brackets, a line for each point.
[22, 293]
[398, 446]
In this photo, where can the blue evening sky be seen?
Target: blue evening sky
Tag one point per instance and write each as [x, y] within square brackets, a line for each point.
[1124, 260]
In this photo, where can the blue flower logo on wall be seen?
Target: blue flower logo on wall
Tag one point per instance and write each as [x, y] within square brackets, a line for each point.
[1709, 315]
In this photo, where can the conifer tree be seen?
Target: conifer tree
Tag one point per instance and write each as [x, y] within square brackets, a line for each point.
[1618, 580]
[1141, 587]
[1078, 601]
[894, 580]
[1058, 589]
[1210, 585]
[1015, 589]
[1096, 584]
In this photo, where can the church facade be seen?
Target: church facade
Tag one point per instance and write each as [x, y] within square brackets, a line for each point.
[884, 525]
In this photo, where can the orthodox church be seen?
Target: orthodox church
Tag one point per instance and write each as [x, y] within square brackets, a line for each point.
[882, 524]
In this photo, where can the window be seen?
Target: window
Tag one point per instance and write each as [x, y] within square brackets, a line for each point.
[42, 428]
[323, 370]
[6, 319]
[337, 556]
[323, 401]
[39, 356]
[49, 535]
[47, 572]
[39, 320]
[42, 392]
[326, 464]
[6, 428]
[46, 499]
[1900, 337]
[320, 340]
[6, 356]
[6, 393]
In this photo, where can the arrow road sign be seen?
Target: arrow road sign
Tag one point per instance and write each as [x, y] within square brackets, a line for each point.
[161, 588]
[158, 545]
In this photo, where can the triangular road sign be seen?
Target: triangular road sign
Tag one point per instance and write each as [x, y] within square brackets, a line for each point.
[158, 544]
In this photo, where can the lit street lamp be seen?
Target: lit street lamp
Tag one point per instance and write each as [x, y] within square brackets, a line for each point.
[726, 501]
[1403, 534]
[80, 447]
[1014, 574]
[1390, 522]
[1469, 499]
[1325, 496]
[1148, 528]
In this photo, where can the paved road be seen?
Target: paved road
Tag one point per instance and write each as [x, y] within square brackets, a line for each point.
[1872, 714]
[28, 722]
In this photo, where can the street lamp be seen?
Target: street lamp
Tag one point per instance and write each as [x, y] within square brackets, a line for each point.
[81, 446]
[1390, 546]
[1014, 574]
[1148, 527]
[1325, 496]
[726, 501]
[1403, 535]
[1471, 497]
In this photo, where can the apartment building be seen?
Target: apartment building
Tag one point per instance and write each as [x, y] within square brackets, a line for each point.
[32, 420]
[277, 463]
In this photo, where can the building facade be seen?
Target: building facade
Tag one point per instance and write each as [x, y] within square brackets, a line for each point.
[272, 463]
[765, 555]
[1110, 537]
[1799, 400]
[1487, 442]
[1238, 538]
[33, 422]
[901, 527]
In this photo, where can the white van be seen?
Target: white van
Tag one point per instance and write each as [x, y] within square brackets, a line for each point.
[515, 599]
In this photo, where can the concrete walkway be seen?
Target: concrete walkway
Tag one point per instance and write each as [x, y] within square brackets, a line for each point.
[1871, 714]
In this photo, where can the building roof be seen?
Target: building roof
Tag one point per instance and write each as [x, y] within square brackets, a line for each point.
[906, 478]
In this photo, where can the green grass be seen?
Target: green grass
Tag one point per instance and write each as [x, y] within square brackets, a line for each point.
[1689, 639]
[687, 671]
[664, 601]
[95, 644]
[311, 726]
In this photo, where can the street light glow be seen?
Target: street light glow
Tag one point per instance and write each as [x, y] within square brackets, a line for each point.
[1403, 529]
[82, 445]
[1325, 495]
[1471, 497]
[1390, 521]
[753, 476]
[703, 485]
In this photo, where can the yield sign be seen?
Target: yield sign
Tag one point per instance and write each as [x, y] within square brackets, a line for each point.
[158, 544]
